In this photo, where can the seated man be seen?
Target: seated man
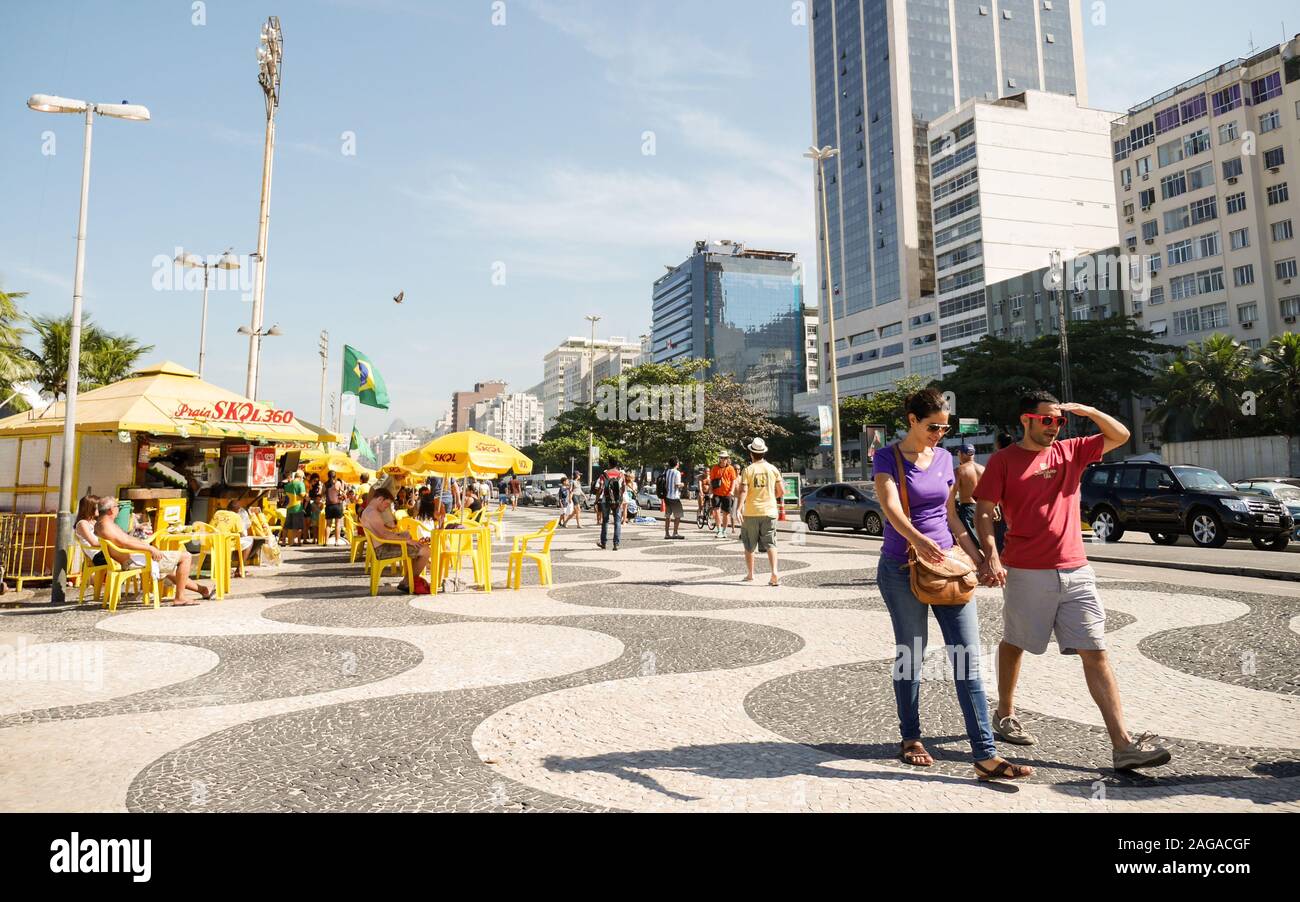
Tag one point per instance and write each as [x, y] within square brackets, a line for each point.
[374, 519]
[173, 565]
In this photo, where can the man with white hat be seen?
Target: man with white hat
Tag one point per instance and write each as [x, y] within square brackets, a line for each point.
[760, 494]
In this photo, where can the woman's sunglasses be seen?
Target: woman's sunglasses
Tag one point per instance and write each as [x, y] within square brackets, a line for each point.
[1047, 419]
[936, 427]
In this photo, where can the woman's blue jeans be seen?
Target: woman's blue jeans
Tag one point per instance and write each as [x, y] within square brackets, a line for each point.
[960, 627]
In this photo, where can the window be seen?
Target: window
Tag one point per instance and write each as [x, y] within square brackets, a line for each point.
[923, 319]
[1176, 220]
[1247, 313]
[1126, 177]
[1182, 287]
[1286, 269]
[1282, 230]
[1170, 152]
[1147, 198]
[1289, 306]
[1254, 343]
[1274, 158]
[1121, 149]
[956, 208]
[961, 279]
[1150, 229]
[1200, 177]
[1180, 252]
[947, 164]
[922, 340]
[955, 184]
[1232, 168]
[1266, 88]
[1167, 120]
[1018, 305]
[1227, 99]
[1204, 210]
[1131, 240]
[1173, 185]
[1157, 296]
[1236, 203]
[1207, 246]
[1144, 165]
[1240, 238]
[1153, 264]
[1187, 321]
[1243, 275]
[1227, 132]
[892, 350]
[1210, 280]
[961, 304]
[1270, 121]
[1278, 194]
[963, 131]
[1192, 109]
[891, 330]
[1214, 316]
[977, 325]
[1128, 209]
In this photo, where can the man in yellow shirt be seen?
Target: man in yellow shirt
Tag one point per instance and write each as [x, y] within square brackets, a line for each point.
[761, 491]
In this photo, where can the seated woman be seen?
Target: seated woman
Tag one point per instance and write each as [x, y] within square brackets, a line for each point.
[472, 501]
[431, 512]
[84, 530]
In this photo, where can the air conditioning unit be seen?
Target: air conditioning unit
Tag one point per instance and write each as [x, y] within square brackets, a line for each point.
[1151, 241]
[1147, 207]
[1146, 177]
[1286, 281]
[1275, 169]
[1288, 319]
[1128, 219]
[1232, 180]
[1128, 187]
[1247, 325]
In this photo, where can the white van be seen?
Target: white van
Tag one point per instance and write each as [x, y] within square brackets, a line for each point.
[541, 488]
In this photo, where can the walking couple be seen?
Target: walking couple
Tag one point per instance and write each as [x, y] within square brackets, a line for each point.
[1048, 586]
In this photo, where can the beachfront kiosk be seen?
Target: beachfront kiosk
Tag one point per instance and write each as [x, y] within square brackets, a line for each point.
[177, 448]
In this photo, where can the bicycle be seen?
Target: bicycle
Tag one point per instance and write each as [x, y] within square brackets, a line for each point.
[703, 516]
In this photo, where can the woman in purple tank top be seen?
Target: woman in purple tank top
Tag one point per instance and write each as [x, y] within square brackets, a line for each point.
[931, 491]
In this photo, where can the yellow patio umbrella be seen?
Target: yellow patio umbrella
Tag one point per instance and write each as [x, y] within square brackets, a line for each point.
[466, 453]
[344, 467]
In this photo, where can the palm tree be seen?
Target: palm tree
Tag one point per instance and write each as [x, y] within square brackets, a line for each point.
[1204, 383]
[14, 365]
[1279, 379]
[105, 357]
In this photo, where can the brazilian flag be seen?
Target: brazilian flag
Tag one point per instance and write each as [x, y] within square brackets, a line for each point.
[362, 379]
[359, 443]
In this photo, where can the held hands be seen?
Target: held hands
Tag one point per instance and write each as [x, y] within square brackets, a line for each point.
[992, 573]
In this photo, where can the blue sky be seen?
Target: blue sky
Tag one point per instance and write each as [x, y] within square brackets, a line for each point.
[480, 149]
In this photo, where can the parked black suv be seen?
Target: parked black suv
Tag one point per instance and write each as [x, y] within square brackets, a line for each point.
[1168, 501]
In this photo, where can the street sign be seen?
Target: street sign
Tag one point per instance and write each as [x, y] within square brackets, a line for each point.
[968, 427]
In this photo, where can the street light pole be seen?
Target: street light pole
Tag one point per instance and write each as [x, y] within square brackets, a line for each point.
[269, 56]
[324, 364]
[1058, 282]
[189, 261]
[591, 395]
[820, 157]
[44, 103]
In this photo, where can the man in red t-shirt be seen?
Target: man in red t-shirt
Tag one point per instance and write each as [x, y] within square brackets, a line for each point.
[1048, 585]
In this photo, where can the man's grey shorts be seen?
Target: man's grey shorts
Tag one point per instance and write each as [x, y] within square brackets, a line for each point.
[758, 532]
[1038, 602]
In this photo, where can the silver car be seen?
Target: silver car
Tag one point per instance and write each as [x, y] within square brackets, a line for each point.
[842, 504]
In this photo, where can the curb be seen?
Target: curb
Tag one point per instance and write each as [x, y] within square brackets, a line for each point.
[1220, 569]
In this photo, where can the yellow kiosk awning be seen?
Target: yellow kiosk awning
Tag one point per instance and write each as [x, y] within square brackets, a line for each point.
[168, 399]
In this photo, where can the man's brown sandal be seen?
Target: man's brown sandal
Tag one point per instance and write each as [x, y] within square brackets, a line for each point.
[911, 751]
[1004, 770]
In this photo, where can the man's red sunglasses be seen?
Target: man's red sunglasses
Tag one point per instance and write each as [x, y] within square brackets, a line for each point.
[1047, 419]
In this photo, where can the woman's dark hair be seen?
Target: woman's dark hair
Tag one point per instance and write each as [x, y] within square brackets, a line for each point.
[429, 507]
[925, 403]
[1029, 403]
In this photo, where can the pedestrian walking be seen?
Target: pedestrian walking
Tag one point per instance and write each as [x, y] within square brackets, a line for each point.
[759, 496]
[564, 495]
[515, 490]
[968, 476]
[610, 490]
[1048, 587]
[334, 509]
[918, 490]
[578, 500]
[672, 486]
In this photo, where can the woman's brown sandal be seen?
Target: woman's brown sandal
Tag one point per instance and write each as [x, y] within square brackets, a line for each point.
[1004, 770]
[912, 750]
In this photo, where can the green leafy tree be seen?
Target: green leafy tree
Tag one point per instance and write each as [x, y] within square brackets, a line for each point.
[801, 442]
[994, 373]
[884, 407]
[1201, 389]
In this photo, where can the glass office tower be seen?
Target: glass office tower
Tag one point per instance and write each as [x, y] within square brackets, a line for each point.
[742, 310]
[881, 70]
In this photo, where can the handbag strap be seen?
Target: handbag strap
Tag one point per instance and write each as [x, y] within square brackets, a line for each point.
[902, 481]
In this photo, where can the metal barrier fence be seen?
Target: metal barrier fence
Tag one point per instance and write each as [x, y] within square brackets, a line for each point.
[27, 547]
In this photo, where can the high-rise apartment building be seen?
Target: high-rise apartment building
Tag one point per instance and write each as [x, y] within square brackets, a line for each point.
[742, 310]
[1204, 173]
[882, 70]
[515, 418]
[566, 367]
[1011, 181]
[389, 445]
[462, 403]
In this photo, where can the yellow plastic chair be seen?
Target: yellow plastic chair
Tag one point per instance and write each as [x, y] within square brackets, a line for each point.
[356, 538]
[494, 522]
[89, 572]
[378, 566]
[274, 515]
[520, 553]
[262, 530]
[214, 547]
[229, 524]
[118, 576]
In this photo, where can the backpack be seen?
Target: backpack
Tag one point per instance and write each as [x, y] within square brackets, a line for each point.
[613, 488]
[661, 485]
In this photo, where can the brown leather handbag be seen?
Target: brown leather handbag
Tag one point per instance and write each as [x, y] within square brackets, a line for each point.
[952, 582]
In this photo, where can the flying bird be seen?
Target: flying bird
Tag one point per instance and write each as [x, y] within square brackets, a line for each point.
[398, 297]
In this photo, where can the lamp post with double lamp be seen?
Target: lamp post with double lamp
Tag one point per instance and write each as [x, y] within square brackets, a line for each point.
[46, 103]
[591, 397]
[227, 261]
[819, 157]
[269, 56]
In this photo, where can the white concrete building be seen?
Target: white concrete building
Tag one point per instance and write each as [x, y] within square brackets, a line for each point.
[514, 418]
[565, 368]
[389, 445]
[1011, 181]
